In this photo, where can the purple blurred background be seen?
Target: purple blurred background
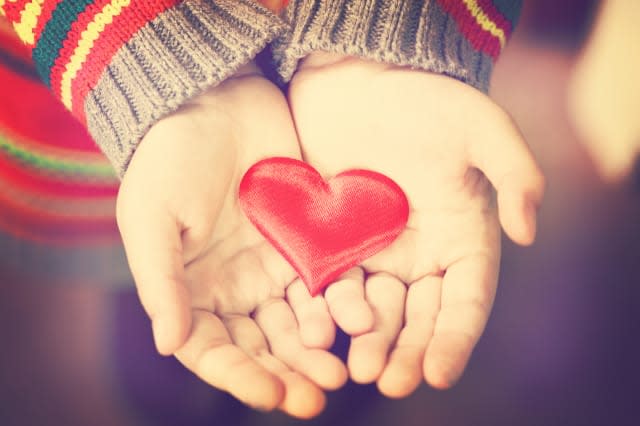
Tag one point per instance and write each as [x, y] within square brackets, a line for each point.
[561, 347]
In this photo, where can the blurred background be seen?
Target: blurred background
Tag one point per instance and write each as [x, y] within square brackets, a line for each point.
[562, 345]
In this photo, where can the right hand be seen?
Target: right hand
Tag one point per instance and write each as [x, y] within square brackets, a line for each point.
[213, 287]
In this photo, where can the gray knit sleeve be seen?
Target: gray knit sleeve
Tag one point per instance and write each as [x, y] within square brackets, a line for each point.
[183, 51]
[458, 38]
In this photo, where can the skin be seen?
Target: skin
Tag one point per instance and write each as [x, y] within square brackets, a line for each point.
[230, 308]
[417, 309]
[604, 91]
[213, 287]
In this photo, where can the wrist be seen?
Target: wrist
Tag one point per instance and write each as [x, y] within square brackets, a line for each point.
[443, 37]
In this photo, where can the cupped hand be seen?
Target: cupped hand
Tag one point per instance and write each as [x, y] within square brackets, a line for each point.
[427, 297]
[214, 288]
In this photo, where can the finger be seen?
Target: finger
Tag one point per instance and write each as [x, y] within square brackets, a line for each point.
[317, 329]
[301, 398]
[347, 304]
[154, 251]
[468, 290]
[279, 325]
[504, 157]
[245, 334]
[368, 352]
[211, 355]
[403, 373]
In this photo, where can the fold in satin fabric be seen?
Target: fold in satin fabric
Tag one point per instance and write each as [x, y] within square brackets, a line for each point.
[322, 228]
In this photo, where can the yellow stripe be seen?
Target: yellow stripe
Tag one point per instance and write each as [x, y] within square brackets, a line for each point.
[28, 21]
[485, 22]
[87, 39]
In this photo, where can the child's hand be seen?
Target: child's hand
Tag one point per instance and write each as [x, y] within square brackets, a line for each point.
[213, 287]
[604, 91]
[445, 143]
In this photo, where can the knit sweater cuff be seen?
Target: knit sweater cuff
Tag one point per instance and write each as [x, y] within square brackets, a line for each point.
[172, 58]
[458, 38]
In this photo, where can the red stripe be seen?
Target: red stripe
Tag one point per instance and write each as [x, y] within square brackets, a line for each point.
[123, 27]
[480, 39]
[12, 9]
[71, 42]
[45, 16]
[29, 111]
[37, 182]
[39, 224]
[47, 219]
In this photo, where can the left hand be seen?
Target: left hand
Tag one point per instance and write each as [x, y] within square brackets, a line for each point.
[427, 297]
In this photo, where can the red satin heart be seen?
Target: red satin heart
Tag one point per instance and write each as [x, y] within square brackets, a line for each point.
[322, 228]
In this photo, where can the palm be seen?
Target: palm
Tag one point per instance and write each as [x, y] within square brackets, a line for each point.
[214, 288]
[431, 291]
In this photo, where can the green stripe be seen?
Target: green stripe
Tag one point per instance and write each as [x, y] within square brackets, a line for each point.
[52, 164]
[54, 34]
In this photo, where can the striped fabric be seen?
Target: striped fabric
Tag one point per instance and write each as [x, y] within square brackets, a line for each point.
[57, 191]
[121, 65]
[458, 38]
[55, 185]
[485, 26]
[69, 44]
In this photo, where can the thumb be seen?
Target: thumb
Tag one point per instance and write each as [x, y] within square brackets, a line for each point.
[501, 153]
[153, 244]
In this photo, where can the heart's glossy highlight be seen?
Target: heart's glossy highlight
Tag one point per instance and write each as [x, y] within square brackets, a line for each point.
[323, 228]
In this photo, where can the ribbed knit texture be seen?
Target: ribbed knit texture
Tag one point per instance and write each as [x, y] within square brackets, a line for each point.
[121, 65]
[458, 38]
[182, 52]
[136, 61]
